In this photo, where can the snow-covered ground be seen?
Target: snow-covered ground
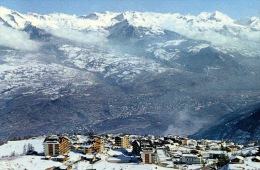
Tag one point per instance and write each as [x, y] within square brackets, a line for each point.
[17, 147]
[27, 162]
[104, 165]
[19, 161]
[248, 164]
[244, 151]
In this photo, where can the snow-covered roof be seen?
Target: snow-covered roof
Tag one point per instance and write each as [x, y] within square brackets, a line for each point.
[189, 155]
[258, 158]
[63, 167]
[216, 152]
[85, 146]
[88, 156]
[61, 157]
[237, 157]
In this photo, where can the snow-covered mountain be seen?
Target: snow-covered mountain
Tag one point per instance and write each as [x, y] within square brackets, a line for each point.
[217, 28]
[143, 72]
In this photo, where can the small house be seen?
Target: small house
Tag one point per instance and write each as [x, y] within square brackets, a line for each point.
[237, 160]
[191, 159]
[61, 158]
[89, 157]
[256, 159]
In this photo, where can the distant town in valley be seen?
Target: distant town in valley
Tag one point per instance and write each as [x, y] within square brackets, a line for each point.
[123, 151]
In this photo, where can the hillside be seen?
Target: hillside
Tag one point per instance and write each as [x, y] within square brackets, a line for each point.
[241, 128]
[137, 72]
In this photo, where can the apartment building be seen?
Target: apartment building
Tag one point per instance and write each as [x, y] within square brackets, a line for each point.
[122, 141]
[56, 145]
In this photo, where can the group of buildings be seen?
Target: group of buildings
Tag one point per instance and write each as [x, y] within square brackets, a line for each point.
[168, 151]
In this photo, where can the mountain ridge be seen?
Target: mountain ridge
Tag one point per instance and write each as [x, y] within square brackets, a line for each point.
[97, 72]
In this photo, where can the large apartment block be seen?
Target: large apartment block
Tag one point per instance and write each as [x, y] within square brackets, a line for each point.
[55, 145]
[99, 145]
[123, 141]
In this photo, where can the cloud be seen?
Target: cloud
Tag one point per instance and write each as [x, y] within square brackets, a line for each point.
[77, 36]
[219, 37]
[17, 39]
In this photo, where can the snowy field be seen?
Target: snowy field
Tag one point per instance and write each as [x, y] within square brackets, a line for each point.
[249, 164]
[27, 162]
[18, 161]
[17, 147]
[36, 163]
[103, 165]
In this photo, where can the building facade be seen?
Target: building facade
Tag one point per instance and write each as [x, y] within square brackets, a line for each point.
[122, 141]
[148, 156]
[99, 145]
[191, 159]
[55, 145]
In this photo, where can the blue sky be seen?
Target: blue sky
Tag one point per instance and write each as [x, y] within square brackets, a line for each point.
[234, 8]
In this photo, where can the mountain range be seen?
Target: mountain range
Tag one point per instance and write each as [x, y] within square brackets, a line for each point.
[131, 72]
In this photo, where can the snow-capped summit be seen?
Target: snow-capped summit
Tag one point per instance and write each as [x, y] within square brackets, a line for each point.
[255, 23]
[215, 16]
[203, 15]
[5, 11]
[220, 17]
[12, 18]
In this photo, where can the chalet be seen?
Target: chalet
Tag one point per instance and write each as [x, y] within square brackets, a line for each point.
[62, 158]
[256, 159]
[172, 147]
[216, 154]
[191, 159]
[56, 145]
[237, 160]
[89, 157]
